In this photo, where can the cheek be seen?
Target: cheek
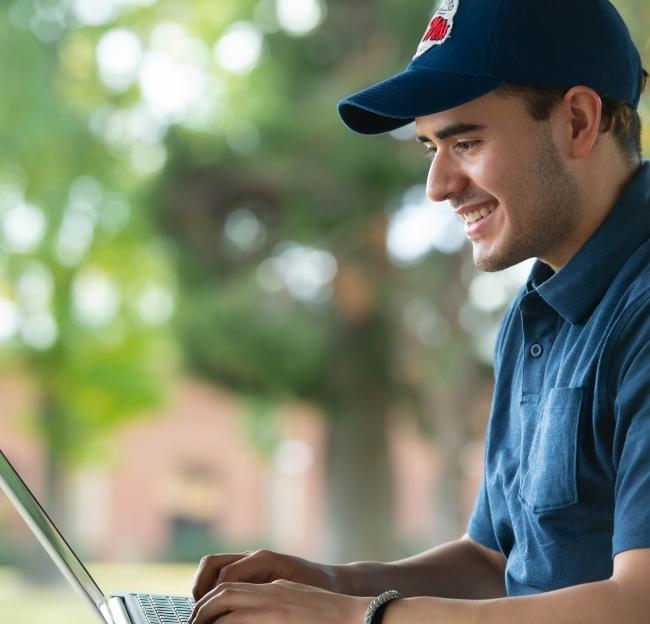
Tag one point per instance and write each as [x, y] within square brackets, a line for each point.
[500, 173]
[491, 177]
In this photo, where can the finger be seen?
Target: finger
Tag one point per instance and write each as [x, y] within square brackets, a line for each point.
[260, 566]
[227, 598]
[222, 589]
[206, 576]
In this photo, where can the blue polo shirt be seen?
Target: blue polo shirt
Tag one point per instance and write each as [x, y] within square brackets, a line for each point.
[567, 463]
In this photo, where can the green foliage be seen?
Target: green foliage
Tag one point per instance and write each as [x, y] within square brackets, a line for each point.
[97, 351]
[252, 342]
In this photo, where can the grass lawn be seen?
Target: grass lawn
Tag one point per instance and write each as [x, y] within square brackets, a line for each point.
[59, 604]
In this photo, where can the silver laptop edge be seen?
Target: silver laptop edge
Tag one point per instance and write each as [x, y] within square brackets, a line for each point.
[119, 608]
[107, 611]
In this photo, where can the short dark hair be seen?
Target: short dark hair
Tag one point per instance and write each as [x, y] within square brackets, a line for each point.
[621, 118]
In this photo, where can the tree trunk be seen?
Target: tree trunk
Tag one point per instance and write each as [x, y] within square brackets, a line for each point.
[55, 445]
[451, 437]
[360, 391]
[360, 493]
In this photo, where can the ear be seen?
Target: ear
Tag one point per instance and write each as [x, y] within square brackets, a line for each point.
[583, 108]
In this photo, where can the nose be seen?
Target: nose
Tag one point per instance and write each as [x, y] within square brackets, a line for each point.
[445, 177]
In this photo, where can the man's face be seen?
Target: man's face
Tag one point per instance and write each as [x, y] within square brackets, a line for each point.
[503, 174]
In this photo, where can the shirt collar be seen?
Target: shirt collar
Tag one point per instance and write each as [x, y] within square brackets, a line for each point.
[576, 289]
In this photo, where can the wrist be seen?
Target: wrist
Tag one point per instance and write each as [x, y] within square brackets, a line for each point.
[361, 578]
[343, 579]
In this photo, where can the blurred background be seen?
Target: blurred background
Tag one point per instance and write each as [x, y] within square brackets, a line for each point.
[227, 322]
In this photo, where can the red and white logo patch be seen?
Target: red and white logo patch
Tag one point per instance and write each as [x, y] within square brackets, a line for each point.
[440, 26]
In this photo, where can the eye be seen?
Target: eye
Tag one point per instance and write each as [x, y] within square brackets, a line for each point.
[465, 146]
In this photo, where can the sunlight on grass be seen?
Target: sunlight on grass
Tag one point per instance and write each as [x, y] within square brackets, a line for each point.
[155, 578]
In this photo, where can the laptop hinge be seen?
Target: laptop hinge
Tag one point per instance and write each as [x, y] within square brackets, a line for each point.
[118, 611]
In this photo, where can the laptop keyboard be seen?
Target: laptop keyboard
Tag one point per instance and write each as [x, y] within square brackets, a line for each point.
[165, 609]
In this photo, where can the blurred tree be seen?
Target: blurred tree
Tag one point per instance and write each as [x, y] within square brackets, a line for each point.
[288, 285]
[85, 290]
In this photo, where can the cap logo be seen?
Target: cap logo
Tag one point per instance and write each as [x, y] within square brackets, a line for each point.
[440, 26]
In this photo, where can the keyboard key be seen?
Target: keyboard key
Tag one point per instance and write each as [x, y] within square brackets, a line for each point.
[165, 609]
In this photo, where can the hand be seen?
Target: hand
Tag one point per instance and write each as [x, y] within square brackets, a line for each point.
[279, 602]
[262, 566]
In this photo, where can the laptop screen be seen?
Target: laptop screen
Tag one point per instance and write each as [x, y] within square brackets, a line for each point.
[50, 537]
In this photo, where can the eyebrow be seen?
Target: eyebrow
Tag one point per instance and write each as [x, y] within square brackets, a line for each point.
[450, 131]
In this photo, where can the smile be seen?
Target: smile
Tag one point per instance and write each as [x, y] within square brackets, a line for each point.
[477, 215]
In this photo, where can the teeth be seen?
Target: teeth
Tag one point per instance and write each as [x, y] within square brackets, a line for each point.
[471, 217]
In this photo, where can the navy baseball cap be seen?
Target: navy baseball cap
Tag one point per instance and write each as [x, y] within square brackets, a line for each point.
[471, 47]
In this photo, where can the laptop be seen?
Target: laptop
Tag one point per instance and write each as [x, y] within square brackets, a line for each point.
[119, 608]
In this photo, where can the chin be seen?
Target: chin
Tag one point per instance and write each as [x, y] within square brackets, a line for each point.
[493, 262]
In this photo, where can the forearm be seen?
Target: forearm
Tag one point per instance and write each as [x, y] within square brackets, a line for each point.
[594, 603]
[454, 570]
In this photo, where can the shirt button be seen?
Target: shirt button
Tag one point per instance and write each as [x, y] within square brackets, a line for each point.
[536, 350]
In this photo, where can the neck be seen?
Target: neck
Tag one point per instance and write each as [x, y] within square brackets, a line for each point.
[608, 184]
[601, 187]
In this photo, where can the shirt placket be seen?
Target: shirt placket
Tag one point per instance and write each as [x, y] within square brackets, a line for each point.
[539, 322]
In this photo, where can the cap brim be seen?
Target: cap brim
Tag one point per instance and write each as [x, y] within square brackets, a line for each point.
[415, 92]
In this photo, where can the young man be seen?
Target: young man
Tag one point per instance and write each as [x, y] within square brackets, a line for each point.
[560, 531]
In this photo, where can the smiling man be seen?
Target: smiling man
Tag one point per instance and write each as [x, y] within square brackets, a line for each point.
[528, 110]
[494, 162]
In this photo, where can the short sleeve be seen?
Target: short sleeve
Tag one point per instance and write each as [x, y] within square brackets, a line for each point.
[480, 527]
[631, 448]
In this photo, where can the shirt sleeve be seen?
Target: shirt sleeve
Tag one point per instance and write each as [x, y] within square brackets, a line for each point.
[480, 527]
[631, 444]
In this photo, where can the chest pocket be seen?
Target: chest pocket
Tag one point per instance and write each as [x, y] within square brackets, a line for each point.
[549, 480]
